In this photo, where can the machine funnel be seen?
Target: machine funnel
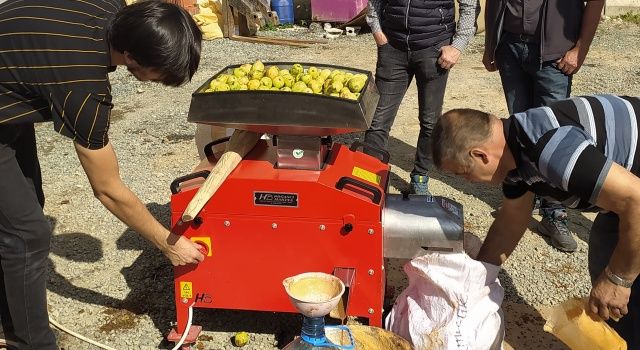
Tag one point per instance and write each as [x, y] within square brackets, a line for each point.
[314, 294]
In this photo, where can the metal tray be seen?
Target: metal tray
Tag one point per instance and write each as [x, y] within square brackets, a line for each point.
[285, 113]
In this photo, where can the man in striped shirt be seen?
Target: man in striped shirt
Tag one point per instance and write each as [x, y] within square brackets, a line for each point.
[582, 152]
[55, 56]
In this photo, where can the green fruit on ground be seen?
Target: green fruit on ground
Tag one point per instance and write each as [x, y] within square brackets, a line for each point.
[284, 72]
[278, 82]
[286, 88]
[223, 87]
[266, 81]
[241, 339]
[299, 86]
[222, 78]
[356, 84]
[253, 84]
[246, 67]
[239, 72]
[314, 72]
[257, 74]
[288, 80]
[243, 80]
[258, 66]
[316, 86]
[296, 69]
[272, 72]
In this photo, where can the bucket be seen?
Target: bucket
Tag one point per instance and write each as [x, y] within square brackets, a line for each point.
[284, 9]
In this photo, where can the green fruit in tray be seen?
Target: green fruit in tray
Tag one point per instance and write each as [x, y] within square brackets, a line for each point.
[316, 86]
[314, 72]
[335, 72]
[336, 86]
[308, 91]
[257, 74]
[296, 69]
[253, 84]
[235, 86]
[239, 72]
[278, 82]
[286, 89]
[246, 67]
[339, 78]
[243, 87]
[214, 84]
[262, 87]
[299, 87]
[223, 87]
[243, 80]
[288, 80]
[231, 79]
[273, 88]
[258, 66]
[306, 78]
[284, 72]
[272, 72]
[266, 81]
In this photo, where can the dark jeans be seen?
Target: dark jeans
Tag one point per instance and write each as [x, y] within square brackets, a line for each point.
[25, 237]
[602, 241]
[529, 83]
[394, 72]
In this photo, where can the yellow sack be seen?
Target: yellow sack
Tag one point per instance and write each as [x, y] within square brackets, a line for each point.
[209, 19]
[570, 323]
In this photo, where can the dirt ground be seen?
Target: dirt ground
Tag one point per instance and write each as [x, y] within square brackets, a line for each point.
[108, 284]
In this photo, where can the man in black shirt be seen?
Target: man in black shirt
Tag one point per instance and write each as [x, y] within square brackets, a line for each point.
[55, 56]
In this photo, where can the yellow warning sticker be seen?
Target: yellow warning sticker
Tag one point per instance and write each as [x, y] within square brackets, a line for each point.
[186, 290]
[366, 175]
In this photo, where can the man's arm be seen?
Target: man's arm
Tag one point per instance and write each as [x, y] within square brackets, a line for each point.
[373, 20]
[101, 167]
[620, 194]
[507, 229]
[466, 29]
[571, 62]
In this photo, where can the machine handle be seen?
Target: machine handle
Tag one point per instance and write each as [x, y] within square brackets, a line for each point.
[377, 194]
[383, 155]
[176, 183]
[208, 148]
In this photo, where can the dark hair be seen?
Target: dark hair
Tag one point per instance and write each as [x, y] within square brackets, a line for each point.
[456, 132]
[158, 35]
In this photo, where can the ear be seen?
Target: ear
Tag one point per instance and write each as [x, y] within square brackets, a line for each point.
[128, 60]
[480, 155]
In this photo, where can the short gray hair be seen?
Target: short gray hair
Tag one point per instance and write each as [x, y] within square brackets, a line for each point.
[457, 132]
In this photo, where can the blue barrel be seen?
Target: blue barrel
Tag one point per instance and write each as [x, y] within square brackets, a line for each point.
[284, 9]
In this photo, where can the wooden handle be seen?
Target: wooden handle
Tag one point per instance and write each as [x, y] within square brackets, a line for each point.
[240, 144]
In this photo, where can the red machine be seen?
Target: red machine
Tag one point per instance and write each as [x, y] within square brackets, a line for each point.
[299, 203]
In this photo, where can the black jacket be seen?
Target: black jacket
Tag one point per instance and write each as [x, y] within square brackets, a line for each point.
[560, 29]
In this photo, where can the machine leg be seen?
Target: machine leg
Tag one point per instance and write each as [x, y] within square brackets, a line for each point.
[176, 333]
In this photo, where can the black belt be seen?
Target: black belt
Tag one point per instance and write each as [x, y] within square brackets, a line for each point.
[525, 38]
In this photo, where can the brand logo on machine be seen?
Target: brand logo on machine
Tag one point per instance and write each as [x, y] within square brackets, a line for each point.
[298, 153]
[203, 298]
[275, 199]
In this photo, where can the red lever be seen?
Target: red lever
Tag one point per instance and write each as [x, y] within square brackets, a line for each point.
[202, 247]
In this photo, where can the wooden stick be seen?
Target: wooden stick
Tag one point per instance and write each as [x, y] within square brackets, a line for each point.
[265, 40]
[240, 144]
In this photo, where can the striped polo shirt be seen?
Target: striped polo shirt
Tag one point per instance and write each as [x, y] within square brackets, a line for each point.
[564, 151]
[54, 65]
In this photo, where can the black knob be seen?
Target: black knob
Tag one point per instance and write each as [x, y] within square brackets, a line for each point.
[348, 228]
[197, 221]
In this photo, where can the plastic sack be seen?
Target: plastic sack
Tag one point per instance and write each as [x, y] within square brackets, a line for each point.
[209, 19]
[452, 302]
[570, 323]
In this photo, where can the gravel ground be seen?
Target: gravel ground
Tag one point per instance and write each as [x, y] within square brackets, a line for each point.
[112, 286]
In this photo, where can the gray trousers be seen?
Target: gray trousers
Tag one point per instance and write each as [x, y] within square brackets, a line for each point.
[25, 236]
[395, 70]
[602, 241]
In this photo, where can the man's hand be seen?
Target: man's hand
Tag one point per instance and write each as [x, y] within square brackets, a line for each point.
[572, 60]
[489, 64]
[181, 251]
[380, 38]
[449, 56]
[608, 300]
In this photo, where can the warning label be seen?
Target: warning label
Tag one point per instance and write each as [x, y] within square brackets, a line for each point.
[186, 290]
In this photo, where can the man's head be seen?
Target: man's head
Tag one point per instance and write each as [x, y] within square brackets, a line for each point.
[160, 41]
[470, 143]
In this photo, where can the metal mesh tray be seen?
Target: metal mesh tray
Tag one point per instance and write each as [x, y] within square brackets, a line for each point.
[285, 113]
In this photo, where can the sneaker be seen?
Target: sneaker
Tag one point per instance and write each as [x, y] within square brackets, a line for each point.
[555, 227]
[419, 185]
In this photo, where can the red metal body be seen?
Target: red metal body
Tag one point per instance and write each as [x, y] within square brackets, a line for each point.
[265, 224]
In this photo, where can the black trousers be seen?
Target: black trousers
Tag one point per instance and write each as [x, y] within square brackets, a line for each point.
[395, 70]
[25, 236]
